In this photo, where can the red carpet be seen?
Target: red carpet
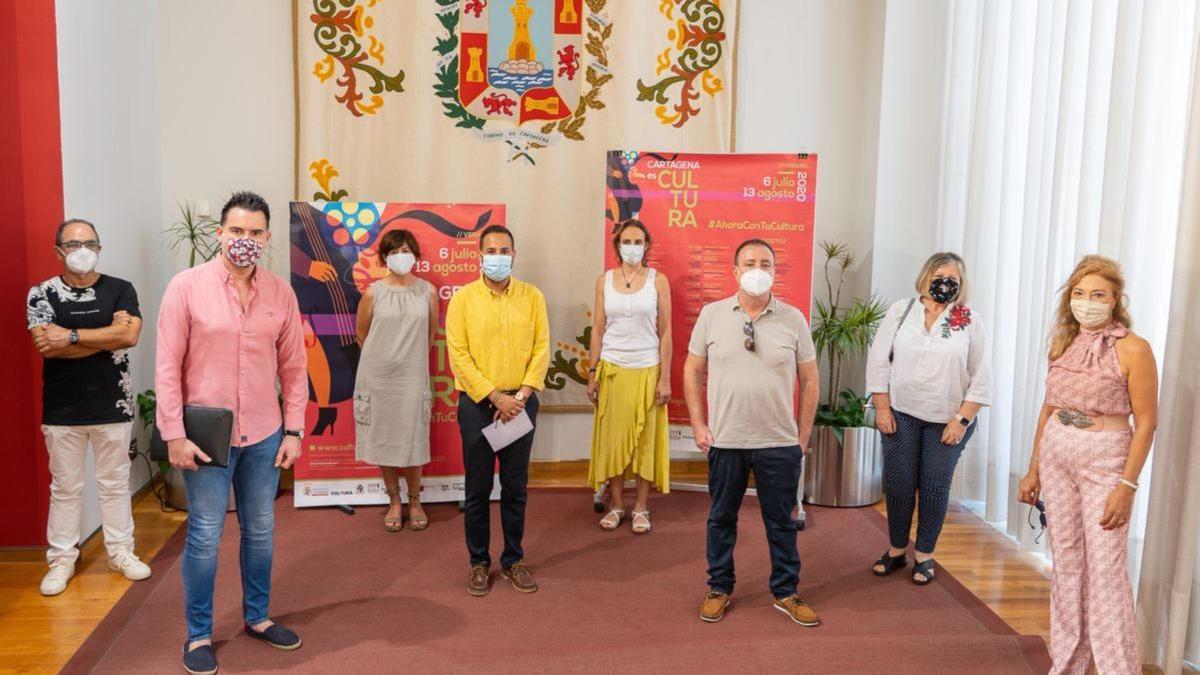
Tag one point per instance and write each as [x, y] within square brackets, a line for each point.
[366, 601]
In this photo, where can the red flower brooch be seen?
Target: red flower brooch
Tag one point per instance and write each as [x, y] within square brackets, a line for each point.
[958, 319]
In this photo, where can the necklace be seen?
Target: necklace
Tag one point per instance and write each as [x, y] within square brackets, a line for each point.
[628, 281]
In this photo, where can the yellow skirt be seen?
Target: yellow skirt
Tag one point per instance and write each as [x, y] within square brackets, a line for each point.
[629, 433]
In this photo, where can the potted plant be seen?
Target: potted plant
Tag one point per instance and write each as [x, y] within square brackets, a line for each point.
[196, 234]
[174, 494]
[845, 466]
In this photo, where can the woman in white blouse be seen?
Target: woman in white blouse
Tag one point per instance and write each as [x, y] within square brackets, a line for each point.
[929, 375]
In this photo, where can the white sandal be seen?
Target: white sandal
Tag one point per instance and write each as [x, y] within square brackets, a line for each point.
[608, 524]
[642, 527]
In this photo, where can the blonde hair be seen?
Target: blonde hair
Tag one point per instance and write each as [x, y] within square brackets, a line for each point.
[936, 262]
[1065, 326]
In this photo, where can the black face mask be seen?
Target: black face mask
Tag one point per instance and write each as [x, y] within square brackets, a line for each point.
[943, 289]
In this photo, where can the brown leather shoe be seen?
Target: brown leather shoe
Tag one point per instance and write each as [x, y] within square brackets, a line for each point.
[800, 612]
[520, 578]
[713, 608]
[480, 581]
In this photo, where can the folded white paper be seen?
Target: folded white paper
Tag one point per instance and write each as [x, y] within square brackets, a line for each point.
[500, 435]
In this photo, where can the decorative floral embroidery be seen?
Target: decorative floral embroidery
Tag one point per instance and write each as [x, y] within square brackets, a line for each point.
[696, 43]
[958, 319]
[38, 309]
[120, 357]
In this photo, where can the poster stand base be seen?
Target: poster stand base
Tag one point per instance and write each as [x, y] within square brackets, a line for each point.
[344, 508]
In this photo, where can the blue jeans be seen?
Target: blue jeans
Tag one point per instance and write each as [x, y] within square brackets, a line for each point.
[776, 478]
[255, 479]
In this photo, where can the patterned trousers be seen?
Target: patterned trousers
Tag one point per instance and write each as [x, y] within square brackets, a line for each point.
[1091, 601]
[915, 461]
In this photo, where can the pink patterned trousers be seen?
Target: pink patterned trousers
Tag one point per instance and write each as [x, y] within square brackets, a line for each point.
[1091, 602]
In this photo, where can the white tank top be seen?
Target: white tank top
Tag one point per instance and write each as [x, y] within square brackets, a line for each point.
[631, 331]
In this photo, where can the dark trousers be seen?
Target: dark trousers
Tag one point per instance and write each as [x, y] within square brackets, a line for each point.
[916, 461]
[776, 477]
[479, 462]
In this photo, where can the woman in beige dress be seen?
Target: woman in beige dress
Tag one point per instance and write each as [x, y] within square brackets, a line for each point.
[397, 321]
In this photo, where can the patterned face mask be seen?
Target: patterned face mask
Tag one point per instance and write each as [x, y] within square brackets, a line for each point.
[244, 252]
[943, 289]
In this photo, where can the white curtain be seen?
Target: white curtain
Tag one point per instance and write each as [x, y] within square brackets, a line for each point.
[1169, 594]
[1062, 131]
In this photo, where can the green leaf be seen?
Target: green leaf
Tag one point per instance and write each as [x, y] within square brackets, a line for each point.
[449, 21]
[446, 45]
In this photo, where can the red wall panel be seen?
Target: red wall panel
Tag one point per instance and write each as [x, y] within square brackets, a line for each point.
[31, 171]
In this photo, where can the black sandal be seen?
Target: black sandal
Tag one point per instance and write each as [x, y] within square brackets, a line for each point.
[889, 564]
[925, 569]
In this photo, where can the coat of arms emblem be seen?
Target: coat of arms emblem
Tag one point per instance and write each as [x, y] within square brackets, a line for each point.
[523, 64]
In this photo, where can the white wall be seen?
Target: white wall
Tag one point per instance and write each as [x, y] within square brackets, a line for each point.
[910, 112]
[228, 111]
[809, 76]
[109, 96]
[809, 80]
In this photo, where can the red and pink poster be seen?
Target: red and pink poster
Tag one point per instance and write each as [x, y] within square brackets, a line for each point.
[334, 259]
[698, 208]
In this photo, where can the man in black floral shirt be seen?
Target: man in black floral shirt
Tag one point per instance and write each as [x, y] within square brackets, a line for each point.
[83, 323]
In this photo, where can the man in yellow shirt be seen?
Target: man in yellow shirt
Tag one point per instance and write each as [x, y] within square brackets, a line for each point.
[498, 339]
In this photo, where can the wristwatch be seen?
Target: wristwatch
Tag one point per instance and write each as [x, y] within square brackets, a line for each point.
[963, 421]
[298, 433]
[74, 336]
[520, 396]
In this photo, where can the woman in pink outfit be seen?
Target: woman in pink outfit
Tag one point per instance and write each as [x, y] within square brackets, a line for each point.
[1085, 465]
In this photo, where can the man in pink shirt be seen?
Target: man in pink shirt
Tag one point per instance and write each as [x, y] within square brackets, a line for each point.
[228, 331]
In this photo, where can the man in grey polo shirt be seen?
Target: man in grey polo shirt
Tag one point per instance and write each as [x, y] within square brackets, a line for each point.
[753, 346]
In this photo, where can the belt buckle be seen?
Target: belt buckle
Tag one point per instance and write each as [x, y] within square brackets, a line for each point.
[1075, 418]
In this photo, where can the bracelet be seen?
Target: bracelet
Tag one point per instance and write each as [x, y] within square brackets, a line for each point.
[1129, 484]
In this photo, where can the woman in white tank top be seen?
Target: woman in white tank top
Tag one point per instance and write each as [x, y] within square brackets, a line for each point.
[629, 380]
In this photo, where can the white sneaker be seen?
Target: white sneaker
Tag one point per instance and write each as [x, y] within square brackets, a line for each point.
[56, 579]
[130, 566]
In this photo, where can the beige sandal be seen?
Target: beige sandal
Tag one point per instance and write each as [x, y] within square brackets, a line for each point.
[416, 523]
[393, 524]
[612, 519]
[641, 522]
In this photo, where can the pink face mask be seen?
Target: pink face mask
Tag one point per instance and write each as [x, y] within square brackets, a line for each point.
[244, 252]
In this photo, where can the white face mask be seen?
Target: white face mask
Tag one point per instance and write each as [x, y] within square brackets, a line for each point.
[1090, 313]
[632, 254]
[82, 261]
[401, 263]
[497, 267]
[756, 282]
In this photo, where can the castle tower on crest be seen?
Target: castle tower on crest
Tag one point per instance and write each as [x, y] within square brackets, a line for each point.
[522, 45]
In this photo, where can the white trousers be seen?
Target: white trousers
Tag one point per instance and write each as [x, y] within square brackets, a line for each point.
[68, 446]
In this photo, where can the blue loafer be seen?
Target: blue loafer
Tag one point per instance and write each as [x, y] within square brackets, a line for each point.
[277, 636]
[200, 661]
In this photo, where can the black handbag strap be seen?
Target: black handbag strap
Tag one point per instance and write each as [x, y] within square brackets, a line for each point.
[892, 351]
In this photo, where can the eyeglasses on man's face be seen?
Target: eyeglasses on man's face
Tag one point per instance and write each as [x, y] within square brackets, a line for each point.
[73, 245]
